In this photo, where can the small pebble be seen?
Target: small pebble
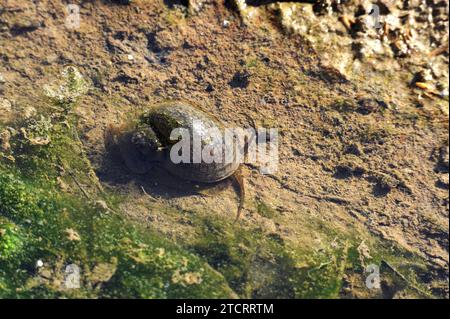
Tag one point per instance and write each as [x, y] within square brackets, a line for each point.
[443, 181]
[102, 205]
[29, 112]
[39, 263]
[5, 109]
[51, 59]
[5, 137]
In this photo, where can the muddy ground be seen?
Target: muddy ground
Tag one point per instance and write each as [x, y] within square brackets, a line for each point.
[362, 154]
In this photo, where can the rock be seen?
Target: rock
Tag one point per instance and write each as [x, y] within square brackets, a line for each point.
[25, 25]
[124, 2]
[196, 5]
[5, 137]
[62, 185]
[51, 59]
[424, 75]
[46, 274]
[28, 112]
[100, 204]
[443, 181]
[384, 184]
[322, 7]
[442, 165]
[2, 79]
[5, 110]
[342, 171]
[103, 272]
[240, 80]
[126, 78]
[72, 235]
[349, 166]
[209, 88]
[367, 106]
[354, 149]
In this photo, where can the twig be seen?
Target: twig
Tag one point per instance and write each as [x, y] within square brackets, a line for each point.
[79, 185]
[148, 195]
[401, 276]
[443, 48]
